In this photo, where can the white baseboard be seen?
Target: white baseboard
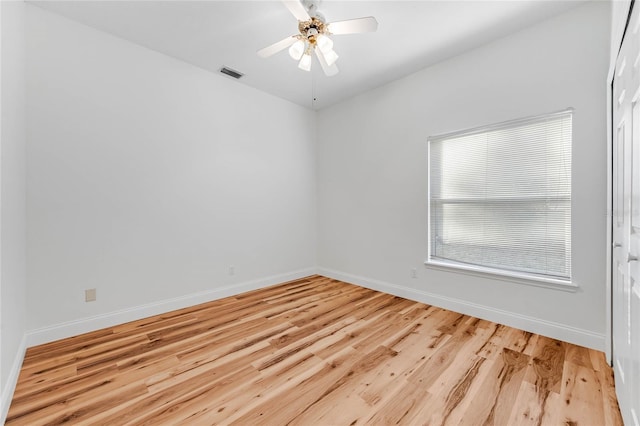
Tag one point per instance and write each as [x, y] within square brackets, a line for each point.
[551, 329]
[12, 380]
[85, 325]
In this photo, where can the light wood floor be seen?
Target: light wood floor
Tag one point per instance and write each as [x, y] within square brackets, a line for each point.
[314, 351]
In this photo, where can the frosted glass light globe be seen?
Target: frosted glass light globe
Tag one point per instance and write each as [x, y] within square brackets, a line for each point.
[297, 50]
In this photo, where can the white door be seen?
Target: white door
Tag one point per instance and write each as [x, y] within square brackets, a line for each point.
[626, 223]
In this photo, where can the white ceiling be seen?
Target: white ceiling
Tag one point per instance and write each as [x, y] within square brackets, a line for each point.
[211, 34]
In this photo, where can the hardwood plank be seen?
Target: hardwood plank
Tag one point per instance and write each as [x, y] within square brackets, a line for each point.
[313, 351]
[456, 386]
[283, 406]
[494, 403]
[581, 395]
[449, 400]
[535, 406]
[604, 372]
[397, 409]
[343, 389]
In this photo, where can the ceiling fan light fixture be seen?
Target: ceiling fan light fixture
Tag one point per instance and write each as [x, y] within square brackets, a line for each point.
[331, 57]
[297, 50]
[305, 62]
[324, 43]
[313, 36]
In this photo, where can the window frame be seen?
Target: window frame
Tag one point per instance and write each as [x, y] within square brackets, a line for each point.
[486, 271]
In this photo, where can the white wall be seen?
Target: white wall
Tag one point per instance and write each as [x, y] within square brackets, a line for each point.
[148, 177]
[372, 171]
[12, 199]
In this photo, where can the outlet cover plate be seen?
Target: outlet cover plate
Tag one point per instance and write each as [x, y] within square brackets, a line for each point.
[90, 295]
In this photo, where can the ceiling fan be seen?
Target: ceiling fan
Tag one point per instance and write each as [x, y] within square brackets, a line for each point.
[314, 34]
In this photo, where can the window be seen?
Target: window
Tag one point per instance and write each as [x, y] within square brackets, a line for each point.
[500, 198]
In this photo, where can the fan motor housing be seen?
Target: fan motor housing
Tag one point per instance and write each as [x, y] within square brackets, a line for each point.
[306, 28]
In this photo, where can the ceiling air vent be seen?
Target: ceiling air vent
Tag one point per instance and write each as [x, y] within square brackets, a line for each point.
[232, 73]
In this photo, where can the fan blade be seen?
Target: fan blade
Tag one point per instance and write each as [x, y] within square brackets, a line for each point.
[328, 70]
[297, 9]
[353, 26]
[276, 47]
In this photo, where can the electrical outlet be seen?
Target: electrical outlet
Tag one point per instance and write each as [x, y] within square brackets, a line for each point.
[232, 270]
[414, 273]
[90, 295]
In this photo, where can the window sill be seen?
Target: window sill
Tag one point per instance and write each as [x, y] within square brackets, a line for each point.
[513, 277]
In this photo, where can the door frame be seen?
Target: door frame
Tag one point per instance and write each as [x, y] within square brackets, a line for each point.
[620, 16]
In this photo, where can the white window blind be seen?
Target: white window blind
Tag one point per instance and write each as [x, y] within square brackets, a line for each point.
[500, 197]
